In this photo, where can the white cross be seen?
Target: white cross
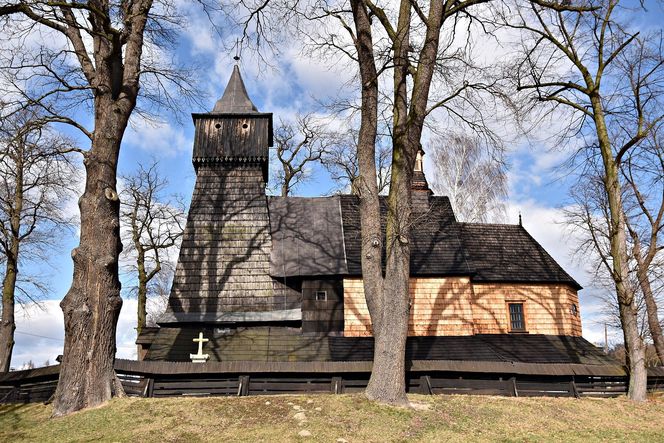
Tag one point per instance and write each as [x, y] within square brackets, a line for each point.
[200, 341]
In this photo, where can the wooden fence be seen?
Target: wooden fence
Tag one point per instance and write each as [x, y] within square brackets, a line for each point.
[166, 380]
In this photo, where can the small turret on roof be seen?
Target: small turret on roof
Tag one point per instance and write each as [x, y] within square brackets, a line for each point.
[419, 180]
[235, 99]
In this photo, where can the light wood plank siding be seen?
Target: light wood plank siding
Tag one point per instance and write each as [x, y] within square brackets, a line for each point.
[548, 308]
[455, 306]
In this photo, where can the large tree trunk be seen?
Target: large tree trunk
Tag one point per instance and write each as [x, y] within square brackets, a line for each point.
[634, 345]
[388, 377]
[635, 349]
[387, 382]
[8, 324]
[92, 306]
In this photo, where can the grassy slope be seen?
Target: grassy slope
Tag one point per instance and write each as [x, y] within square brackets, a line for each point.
[448, 418]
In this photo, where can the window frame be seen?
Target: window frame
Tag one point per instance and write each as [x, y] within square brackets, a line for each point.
[320, 291]
[524, 317]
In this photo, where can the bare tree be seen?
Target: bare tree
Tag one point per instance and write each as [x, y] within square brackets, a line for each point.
[589, 219]
[298, 145]
[155, 224]
[399, 51]
[471, 175]
[643, 173]
[95, 55]
[341, 162]
[35, 186]
[611, 78]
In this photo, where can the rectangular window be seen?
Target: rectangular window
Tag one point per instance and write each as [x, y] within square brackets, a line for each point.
[517, 320]
[321, 296]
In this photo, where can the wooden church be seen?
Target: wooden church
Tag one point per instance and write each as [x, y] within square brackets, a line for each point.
[272, 279]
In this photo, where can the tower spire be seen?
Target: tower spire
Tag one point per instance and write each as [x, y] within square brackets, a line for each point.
[235, 99]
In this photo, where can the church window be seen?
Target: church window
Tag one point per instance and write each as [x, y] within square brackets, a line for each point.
[517, 319]
[574, 309]
[321, 295]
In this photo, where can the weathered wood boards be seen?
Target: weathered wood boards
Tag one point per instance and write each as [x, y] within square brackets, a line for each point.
[164, 379]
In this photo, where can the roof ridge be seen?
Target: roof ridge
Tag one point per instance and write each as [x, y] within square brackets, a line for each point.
[490, 224]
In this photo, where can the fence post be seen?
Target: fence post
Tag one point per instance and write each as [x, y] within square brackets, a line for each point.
[243, 388]
[514, 392]
[574, 392]
[425, 385]
[337, 385]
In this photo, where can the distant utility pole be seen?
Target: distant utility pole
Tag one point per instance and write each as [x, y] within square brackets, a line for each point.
[606, 339]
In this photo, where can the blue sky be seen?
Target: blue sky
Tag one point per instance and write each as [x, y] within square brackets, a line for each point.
[536, 188]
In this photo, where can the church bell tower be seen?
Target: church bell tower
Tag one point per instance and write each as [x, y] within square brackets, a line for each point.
[222, 275]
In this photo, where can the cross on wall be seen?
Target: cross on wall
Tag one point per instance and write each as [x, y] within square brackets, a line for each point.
[200, 340]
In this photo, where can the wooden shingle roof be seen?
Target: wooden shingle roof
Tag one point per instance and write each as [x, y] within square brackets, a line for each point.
[235, 99]
[509, 253]
[307, 236]
[321, 237]
[436, 247]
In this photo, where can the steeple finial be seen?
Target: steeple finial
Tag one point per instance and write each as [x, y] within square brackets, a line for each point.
[520, 224]
[238, 50]
[235, 98]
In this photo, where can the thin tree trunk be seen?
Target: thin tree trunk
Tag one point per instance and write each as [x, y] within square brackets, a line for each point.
[651, 312]
[92, 306]
[142, 310]
[285, 187]
[642, 265]
[142, 293]
[634, 345]
[8, 323]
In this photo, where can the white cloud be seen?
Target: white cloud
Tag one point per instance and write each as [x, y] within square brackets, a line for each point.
[158, 138]
[40, 333]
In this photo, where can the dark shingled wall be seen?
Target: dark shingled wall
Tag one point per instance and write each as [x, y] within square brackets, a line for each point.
[323, 315]
[225, 254]
[224, 260]
[290, 344]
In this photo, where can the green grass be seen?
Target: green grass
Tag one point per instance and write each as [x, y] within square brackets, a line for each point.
[349, 417]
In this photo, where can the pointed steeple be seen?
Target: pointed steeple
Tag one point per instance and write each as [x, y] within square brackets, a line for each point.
[235, 99]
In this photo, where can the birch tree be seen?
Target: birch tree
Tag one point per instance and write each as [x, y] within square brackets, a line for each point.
[471, 174]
